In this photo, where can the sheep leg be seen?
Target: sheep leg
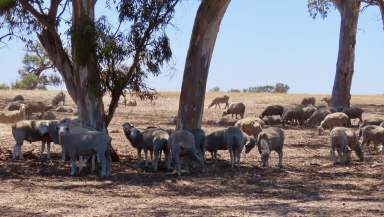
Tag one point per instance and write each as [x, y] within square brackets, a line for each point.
[178, 164]
[151, 154]
[333, 156]
[93, 168]
[15, 153]
[19, 153]
[82, 163]
[139, 154]
[146, 157]
[103, 162]
[280, 153]
[168, 156]
[73, 167]
[49, 150]
[42, 149]
[231, 156]
[156, 161]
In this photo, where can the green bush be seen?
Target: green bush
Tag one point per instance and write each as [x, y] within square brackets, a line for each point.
[215, 89]
[26, 82]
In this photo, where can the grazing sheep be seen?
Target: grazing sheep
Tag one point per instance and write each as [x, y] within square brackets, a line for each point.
[344, 140]
[64, 109]
[371, 121]
[86, 144]
[337, 119]
[199, 135]
[36, 107]
[308, 111]
[183, 145]
[294, 115]
[218, 100]
[13, 106]
[18, 98]
[317, 117]
[270, 139]
[327, 100]
[272, 120]
[235, 140]
[132, 103]
[33, 131]
[249, 126]
[214, 142]
[308, 101]
[273, 110]
[372, 133]
[235, 109]
[13, 116]
[60, 97]
[353, 113]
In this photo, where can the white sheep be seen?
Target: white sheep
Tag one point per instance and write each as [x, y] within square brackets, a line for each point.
[338, 119]
[235, 140]
[13, 116]
[343, 141]
[250, 126]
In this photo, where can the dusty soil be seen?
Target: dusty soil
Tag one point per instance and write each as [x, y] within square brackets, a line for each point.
[308, 185]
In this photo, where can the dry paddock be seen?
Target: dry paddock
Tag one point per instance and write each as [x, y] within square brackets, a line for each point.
[308, 185]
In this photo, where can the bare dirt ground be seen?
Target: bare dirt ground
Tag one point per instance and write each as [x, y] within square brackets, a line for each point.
[308, 185]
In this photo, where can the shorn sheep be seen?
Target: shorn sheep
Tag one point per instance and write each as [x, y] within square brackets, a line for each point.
[317, 117]
[200, 136]
[235, 140]
[371, 121]
[337, 119]
[60, 97]
[235, 109]
[13, 116]
[215, 142]
[86, 144]
[33, 131]
[294, 115]
[354, 113]
[272, 110]
[183, 145]
[250, 126]
[308, 111]
[308, 101]
[372, 134]
[270, 139]
[272, 120]
[343, 141]
[160, 142]
[219, 100]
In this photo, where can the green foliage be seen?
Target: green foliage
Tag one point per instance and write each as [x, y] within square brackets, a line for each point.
[234, 91]
[319, 7]
[26, 82]
[83, 40]
[278, 88]
[215, 89]
[281, 88]
[6, 5]
[4, 86]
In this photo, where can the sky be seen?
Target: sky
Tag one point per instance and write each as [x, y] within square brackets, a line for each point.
[263, 42]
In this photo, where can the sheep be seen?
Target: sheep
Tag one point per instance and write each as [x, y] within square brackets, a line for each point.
[33, 131]
[327, 100]
[131, 103]
[235, 109]
[272, 120]
[371, 121]
[308, 101]
[270, 139]
[308, 111]
[199, 135]
[353, 113]
[382, 124]
[235, 140]
[85, 144]
[337, 119]
[250, 126]
[214, 142]
[218, 100]
[273, 110]
[317, 117]
[159, 139]
[13, 116]
[294, 115]
[60, 97]
[372, 133]
[344, 140]
[48, 116]
[13, 106]
[135, 137]
[183, 144]
[36, 107]
[18, 98]
[64, 109]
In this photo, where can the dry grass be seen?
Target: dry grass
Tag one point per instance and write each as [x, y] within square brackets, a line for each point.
[308, 185]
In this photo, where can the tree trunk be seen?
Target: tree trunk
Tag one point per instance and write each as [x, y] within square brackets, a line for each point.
[205, 30]
[349, 11]
[381, 6]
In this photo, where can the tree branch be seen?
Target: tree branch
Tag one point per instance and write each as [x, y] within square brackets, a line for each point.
[40, 17]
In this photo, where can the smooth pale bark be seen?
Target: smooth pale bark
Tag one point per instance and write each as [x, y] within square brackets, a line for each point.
[204, 34]
[381, 6]
[349, 11]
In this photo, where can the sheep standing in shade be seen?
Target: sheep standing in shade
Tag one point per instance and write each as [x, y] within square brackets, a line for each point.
[235, 140]
[215, 142]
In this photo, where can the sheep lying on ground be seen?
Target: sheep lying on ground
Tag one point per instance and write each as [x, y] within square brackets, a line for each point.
[249, 126]
[64, 109]
[214, 142]
[13, 106]
[218, 100]
[317, 117]
[353, 113]
[199, 135]
[48, 116]
[308, 111]
[36, 107]
[183, 145]
[343, 141]
[86, 144]
[60, 97]
[13, 116]
[235, 140]
[337, 119]
[270, 139]
[308, 101]
[18, 98]
[371, 121]
[33, 131]
[273, 110]
[374, 134]
[235, 109]
[294, 115]
[272, 120]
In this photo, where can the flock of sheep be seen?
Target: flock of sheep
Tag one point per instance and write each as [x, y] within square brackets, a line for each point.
[183, 148]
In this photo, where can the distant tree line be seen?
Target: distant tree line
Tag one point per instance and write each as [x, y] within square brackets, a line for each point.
[278, 88]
